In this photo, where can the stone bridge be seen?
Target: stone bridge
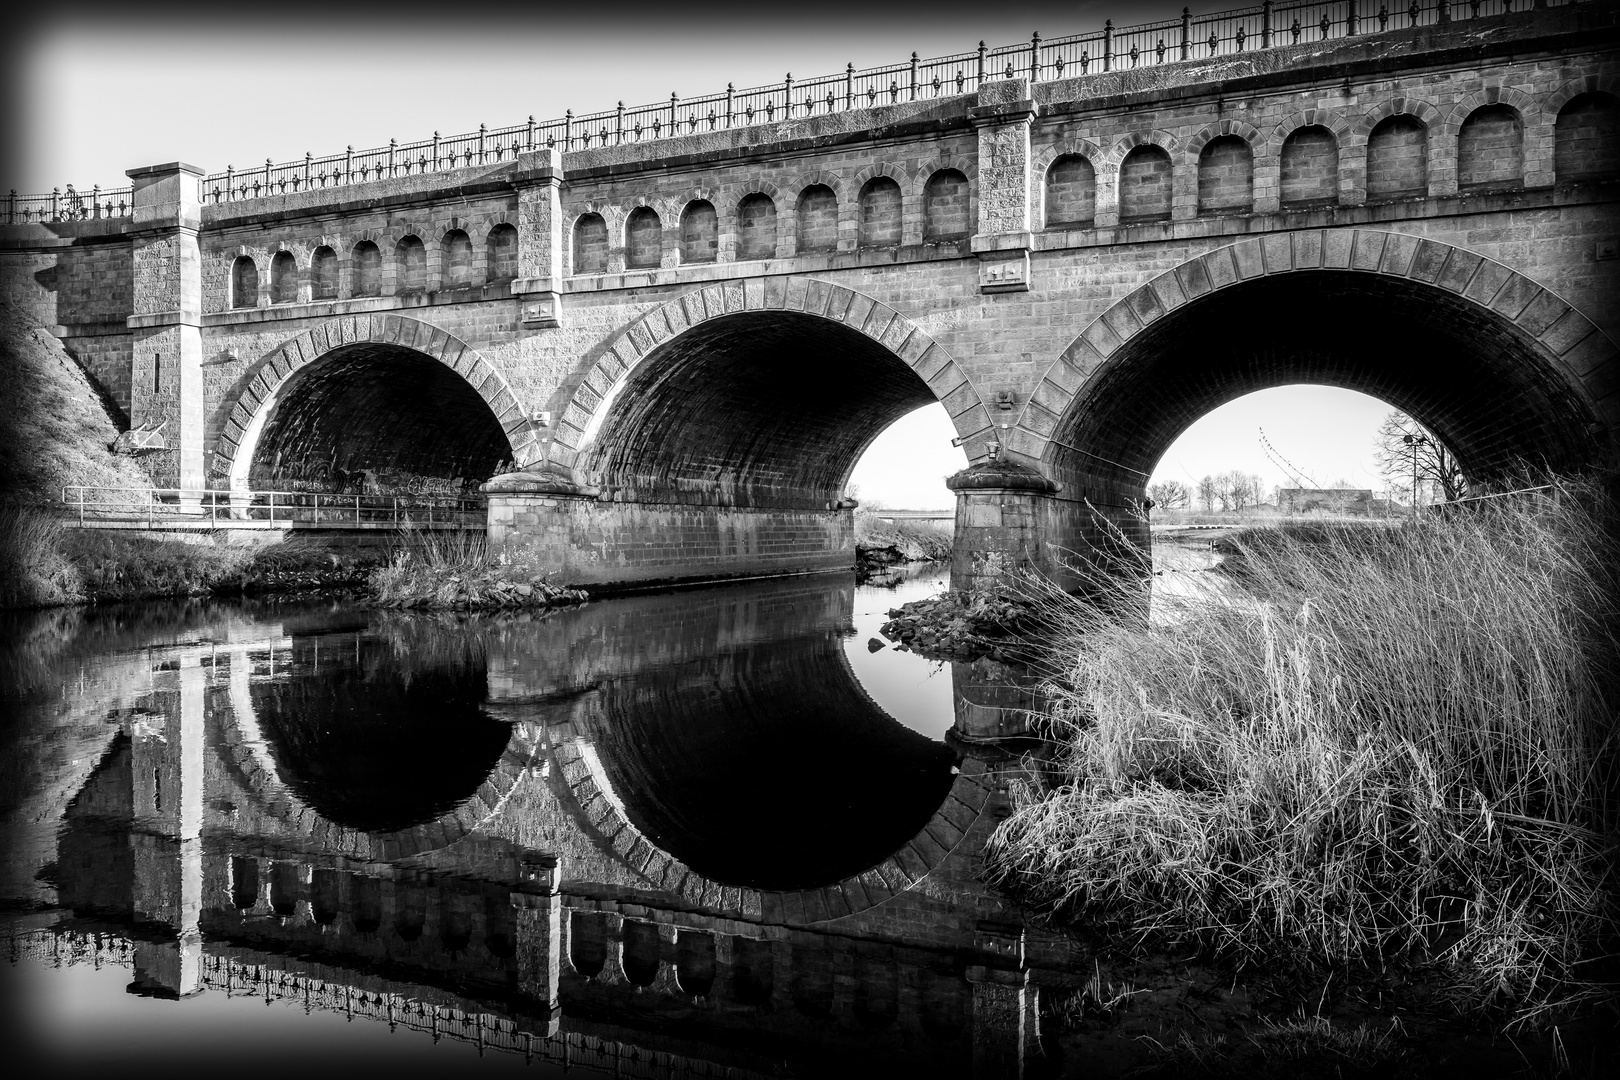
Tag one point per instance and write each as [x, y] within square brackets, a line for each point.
[672, 343]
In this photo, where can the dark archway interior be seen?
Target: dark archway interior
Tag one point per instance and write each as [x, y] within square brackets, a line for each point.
[760, 409]
[380, 735]
[378, 408]
[1470, 376]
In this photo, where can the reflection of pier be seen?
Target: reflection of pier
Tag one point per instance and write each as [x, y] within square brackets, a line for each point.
[543, 911]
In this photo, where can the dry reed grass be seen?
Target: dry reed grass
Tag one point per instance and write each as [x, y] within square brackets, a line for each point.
[1396, 742]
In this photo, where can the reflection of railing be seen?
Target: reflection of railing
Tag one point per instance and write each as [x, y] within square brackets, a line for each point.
[463, 1021]
[167, 507]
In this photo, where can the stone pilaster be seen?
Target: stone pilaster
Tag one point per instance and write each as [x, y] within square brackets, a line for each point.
[540, 239]
[166, 384]
[538, 907]
[1001, 522]
[1002, 237]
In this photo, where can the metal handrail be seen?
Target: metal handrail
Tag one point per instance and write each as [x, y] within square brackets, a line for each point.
[216, 505]
[1225, 33]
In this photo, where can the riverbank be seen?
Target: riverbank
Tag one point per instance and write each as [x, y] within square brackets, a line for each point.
[1378, 763]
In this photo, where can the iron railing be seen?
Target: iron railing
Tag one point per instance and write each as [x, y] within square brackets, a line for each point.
[1267, 25]
[223, 508]
[69, 205]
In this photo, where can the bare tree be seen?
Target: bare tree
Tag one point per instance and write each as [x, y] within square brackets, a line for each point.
[1170, 495]
[1438, 473]
[1208, 492]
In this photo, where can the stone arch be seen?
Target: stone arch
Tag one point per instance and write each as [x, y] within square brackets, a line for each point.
[245, 751]
[912, 194]
[1416, 108]
[1242, 129]
[612, 225]
[1528, 108]
[1342, 129]
[582, 413]
[1554, 102]
[1041, 164]
[1156, 137]
[243, 415]
[1570, 360]
[893, 171]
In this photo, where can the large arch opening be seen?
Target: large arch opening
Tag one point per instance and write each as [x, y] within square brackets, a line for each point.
[1472, 377]
[378, 416]
[766, 409]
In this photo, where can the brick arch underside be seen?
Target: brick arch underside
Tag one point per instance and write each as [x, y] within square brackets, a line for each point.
[767, 766]
[766, 409]
[1473, 378]
[379, 408]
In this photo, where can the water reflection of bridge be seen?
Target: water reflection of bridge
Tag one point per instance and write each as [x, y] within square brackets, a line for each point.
[554, 892]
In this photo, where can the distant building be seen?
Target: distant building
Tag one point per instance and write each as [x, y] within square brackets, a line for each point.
[1325, 500]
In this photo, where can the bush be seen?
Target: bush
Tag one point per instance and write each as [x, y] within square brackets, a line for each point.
[1385, 742]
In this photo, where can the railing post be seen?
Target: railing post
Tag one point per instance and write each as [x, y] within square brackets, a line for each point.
[396, 511]
[618, 135]
[849, 85]
[1265, 25]
[393, 149]
[914, 75]
[309, 168]
[731, 95]
[1350, 18]
[95, 200]
[81, 506]
[1035, 57]
[568, 129]
[1444, 11]
[529, 143]
[348, 164]
[1108, 45]
[267, 164]
[357, 511]
[674, 100]
[56, 204]
[483, 130]
[272, 508]
[435, 151]
[982, 51]
[787, 95]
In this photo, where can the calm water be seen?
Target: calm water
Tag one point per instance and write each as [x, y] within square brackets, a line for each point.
[708, 833]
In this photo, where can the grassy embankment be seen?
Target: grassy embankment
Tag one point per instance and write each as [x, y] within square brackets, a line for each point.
[55, 430]
[1386, 748]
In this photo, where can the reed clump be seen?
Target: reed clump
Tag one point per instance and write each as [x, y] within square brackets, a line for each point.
[1392, 742]
[458, 572]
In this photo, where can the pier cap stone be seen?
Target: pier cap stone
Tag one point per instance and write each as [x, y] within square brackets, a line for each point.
[1001, 475]
[538, 481]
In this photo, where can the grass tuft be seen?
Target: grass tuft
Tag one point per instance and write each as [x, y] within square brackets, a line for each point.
[1383, 741]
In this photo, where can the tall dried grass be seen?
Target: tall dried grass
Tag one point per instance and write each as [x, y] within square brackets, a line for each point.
[1392, 741]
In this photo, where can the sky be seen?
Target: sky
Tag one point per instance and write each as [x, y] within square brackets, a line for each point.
[96, 89]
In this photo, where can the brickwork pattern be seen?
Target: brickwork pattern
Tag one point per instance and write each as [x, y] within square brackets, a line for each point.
[1490, 149]
[1310, 167]
[1144, 185]
[458, 259]
[1588, 138]
[818, 219]
[244, 283]
[756, 227]
[700, 232]
[1398, 159]
[283, 278]
[323, 274]
[368, 280]
[1071, 192]
[1226, 176]
[643, 238]
[881, 213]
[410, 265]
[590, 244]
[945, 207]
[501, 254]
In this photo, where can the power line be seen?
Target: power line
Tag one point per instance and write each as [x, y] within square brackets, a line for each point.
[1298, 477]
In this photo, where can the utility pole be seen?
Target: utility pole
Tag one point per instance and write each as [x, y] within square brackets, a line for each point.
[1414, 441]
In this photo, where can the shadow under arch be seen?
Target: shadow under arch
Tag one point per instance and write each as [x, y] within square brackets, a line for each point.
[1500, 368]
[754, 394]
[372, 392]
[271, 761]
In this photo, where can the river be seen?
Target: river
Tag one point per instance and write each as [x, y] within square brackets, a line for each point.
[706, 832]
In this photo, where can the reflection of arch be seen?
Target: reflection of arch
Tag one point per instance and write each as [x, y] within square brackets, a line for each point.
[244, 747]
[267, 380]
[576, 761]
[1563, 364]
[629, 356]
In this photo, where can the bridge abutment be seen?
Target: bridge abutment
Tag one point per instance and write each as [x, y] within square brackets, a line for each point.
[553, 525]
